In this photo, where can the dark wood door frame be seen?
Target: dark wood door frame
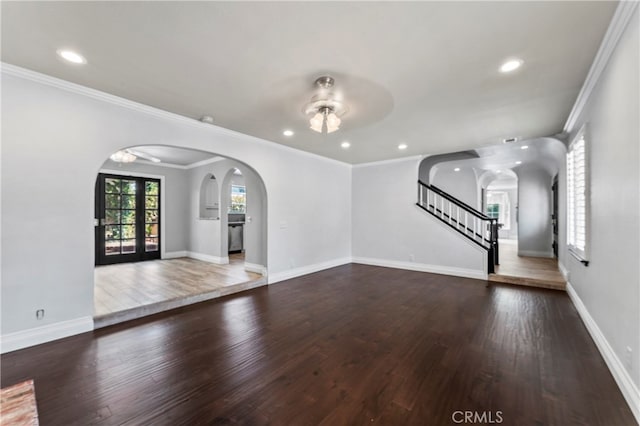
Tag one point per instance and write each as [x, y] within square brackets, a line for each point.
[555, 216]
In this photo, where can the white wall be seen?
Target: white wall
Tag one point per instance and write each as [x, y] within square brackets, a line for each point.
[462, 184]
[610, 286]
[534, 211]
[176, 217]
[56, 137]
[388, 228]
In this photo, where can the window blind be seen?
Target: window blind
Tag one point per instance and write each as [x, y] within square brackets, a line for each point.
[577, 198]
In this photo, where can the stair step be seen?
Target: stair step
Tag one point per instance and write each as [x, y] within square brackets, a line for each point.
[526, 281]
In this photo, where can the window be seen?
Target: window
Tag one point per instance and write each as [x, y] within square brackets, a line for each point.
[498, 207]
[238, 199]
[577, 197]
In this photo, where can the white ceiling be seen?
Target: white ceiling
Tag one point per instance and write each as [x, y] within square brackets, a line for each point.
[423, 73]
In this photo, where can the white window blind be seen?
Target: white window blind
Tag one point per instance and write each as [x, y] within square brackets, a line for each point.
[577, 200]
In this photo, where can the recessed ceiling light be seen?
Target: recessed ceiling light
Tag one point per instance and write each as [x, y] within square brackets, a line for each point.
[156, 160]
[402, 146]
[457, 169]
[518, 162]
[524, 147]
[345, 144]
[511, 65]
[71, 56]
[288, 133]
[498, 171]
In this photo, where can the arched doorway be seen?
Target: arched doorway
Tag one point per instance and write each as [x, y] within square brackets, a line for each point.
[184, 218]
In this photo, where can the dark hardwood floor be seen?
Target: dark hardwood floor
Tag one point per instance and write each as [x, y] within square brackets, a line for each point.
[352, 345]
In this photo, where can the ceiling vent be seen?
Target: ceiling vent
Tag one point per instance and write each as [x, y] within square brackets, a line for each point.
[509, 140]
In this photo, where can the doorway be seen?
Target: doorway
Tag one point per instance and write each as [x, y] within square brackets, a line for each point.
[128, 215]
[554, 216]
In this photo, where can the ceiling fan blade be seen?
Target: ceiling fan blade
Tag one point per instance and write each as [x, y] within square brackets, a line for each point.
[143, 155]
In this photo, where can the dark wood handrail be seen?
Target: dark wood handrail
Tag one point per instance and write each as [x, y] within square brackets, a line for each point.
[454, 200]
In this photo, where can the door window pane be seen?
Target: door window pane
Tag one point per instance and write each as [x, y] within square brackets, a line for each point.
[128, 216]
[151, 216]
[112, 201]
[151, 188]
[128, 186]
[128, 201]
[112, 217]
[128, 231]
[112, 186]
[151, 244]
[112, 232]
[128, 246]
[112, 247]
[151, 202]
[151, 230]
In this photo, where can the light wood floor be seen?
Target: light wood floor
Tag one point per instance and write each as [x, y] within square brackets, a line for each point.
[529, 271]
[127, 286]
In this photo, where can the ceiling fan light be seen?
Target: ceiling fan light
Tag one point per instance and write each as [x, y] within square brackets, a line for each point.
[333, 122]
[123, 157]
[316, 122]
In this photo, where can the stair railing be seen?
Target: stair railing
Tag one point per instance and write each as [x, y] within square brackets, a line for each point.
[473, 224]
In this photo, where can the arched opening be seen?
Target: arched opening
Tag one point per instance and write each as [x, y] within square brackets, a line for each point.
[209, 198]
[499, 200]
[173, 207]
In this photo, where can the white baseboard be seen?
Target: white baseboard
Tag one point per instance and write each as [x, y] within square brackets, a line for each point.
[423, 267]
[208, 258]
[175, 254]
[564, 271]
[533, 253]
[35, 336]
[309, 269]
[623, 379]
[254, 267]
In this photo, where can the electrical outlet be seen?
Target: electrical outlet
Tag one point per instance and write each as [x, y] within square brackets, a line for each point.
[39, 314]
[412, 258]
[628, 356]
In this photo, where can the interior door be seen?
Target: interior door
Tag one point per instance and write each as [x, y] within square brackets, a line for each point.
[128, 219]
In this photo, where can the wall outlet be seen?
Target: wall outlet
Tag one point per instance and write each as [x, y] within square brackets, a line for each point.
[412, 258]
[628, 356]
[39, 314]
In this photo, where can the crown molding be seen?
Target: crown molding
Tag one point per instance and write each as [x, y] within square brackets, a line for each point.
[184, 166]
[160, 164]
[619, 22]
[68, 86]
[393, 160]
[207, 161]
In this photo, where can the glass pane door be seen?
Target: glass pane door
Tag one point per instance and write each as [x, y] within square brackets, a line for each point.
[128, 212]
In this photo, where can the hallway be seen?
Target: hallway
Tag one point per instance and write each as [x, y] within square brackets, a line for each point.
[528, 271]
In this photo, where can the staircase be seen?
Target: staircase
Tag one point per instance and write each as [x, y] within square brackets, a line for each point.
[467, 221]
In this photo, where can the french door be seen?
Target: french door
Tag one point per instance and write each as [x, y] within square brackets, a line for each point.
[128, 219]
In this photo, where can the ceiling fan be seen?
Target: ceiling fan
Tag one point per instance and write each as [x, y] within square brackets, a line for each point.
[130, 155]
